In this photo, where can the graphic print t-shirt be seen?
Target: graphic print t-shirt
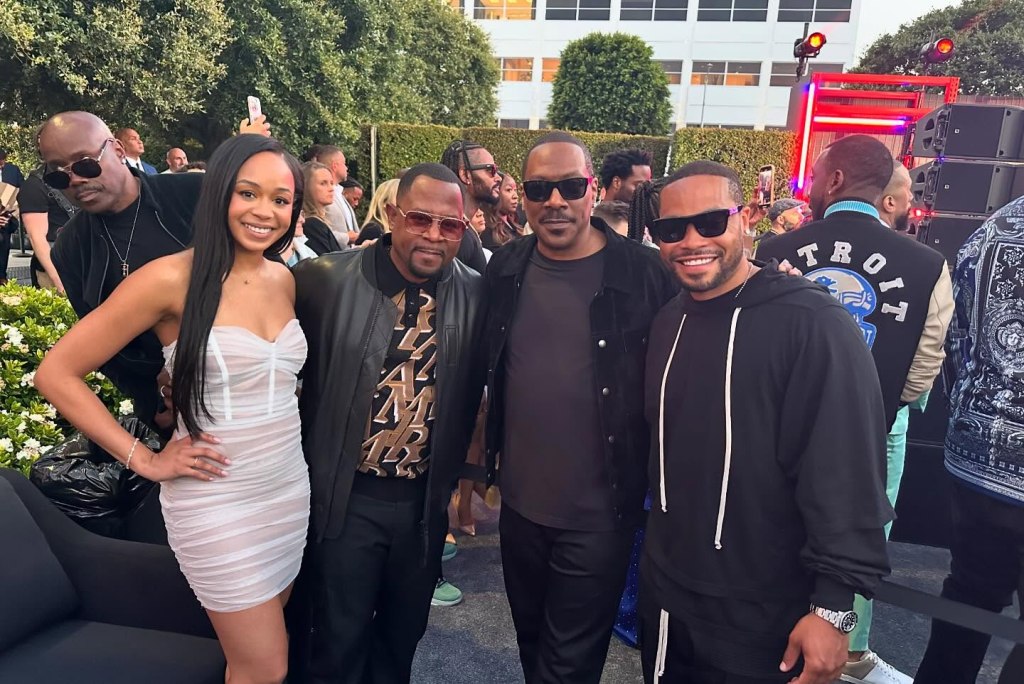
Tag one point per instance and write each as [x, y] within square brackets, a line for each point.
[397, 440]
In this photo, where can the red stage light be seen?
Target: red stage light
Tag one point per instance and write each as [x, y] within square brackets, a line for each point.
[810, 46]
[938, 51]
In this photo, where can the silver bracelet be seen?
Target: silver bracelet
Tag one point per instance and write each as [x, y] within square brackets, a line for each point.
[128, 463]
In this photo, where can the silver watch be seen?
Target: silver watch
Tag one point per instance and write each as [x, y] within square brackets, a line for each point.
[843, 620]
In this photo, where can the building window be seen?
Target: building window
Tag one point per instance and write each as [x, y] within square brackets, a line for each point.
[582, 10]
[458, 5]
[726, 73]
[505, 9]
[814, 10]
[784, 73]
[548, 68]
[674, 70]
[732, 10]
[516, 68]
[658, 10]
[513, 123]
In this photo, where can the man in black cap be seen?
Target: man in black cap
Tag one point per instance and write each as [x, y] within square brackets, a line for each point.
[784, 215]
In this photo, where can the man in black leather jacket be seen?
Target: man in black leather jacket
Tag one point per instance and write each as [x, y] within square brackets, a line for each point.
[391, 387]
[570, 310]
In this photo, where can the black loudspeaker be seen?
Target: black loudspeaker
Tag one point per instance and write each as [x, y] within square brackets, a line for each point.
[923, 514]
[945, 233]
[964, 187]
[971, 131]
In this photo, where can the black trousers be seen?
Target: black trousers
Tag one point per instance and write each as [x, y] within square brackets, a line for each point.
[986, 567]
[563, 588]
[370, 593]
[5, 252]
[682, 666]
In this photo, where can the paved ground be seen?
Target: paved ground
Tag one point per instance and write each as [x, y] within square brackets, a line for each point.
[474, 643]
[17, 267]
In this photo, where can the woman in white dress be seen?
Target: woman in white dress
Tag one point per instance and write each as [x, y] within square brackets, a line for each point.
[234, 485]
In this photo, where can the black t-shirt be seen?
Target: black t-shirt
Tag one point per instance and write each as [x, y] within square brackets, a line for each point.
[33, 198]
[150, 241]
[553, 468]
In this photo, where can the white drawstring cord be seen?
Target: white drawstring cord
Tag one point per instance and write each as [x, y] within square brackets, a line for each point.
[662, 655]
[728, 431]
[661, 416]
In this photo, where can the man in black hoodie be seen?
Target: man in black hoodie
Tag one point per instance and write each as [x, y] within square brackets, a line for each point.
[768, 459]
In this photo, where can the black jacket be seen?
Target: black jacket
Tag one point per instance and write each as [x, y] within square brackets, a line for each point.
[634, 287]
[319, 237]
[769, 482]
[81, 256]
[348, 323]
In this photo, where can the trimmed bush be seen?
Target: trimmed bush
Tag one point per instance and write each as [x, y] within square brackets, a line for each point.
[20, 143]
[745, 151]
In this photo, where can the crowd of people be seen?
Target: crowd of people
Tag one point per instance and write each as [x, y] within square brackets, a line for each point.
[614, 366]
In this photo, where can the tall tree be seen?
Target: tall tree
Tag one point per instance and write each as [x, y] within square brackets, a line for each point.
[126, 60]
[458, 71]
[989, 38]
[610, 83]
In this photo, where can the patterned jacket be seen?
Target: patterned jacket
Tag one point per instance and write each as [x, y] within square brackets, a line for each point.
[985, 441]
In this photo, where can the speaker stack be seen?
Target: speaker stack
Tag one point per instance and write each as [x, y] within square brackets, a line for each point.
[976, 167]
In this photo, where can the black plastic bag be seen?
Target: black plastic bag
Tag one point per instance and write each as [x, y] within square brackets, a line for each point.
[89, 486]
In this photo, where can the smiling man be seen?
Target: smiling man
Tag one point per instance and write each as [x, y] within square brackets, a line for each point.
[570, 308]
[392, 385]
[127, 219]
[768, 463]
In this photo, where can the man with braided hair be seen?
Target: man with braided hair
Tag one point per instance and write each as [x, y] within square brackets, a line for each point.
[481, 185]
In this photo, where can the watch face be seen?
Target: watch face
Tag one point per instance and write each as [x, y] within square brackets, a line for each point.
[849, 621]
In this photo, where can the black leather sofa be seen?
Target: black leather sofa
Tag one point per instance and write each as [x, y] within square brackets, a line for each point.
[79, 608]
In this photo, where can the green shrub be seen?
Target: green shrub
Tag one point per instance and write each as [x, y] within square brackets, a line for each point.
[19, 141]
[31, 321]
[744, 151]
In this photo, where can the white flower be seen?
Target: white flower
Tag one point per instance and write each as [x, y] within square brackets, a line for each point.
[45, 449]
[21, 427]
[14, 336]
[99, 376]
[32, 443]
[50, 412]
[6, 444]
[11, 300]
[125, 407]
[36, 418]
[28, 379]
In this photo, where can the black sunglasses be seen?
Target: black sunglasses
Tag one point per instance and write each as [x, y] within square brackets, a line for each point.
[708, 224]
[568, 188]
[86, 167]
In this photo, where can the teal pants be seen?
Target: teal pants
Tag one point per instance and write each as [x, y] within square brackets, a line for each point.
[896, 452]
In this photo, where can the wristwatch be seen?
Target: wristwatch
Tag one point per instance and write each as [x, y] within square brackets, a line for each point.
[843, 620]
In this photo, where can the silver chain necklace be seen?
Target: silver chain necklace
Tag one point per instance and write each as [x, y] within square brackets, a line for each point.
[124, 260]
[750, 267]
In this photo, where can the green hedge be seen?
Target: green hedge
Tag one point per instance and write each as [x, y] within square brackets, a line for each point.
[19, 141]
[745, 151]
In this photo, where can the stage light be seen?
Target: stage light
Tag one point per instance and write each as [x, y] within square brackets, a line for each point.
[937, 51]
[810, 46]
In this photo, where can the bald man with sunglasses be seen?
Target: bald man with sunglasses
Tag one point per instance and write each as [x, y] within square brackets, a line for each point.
[570, 308]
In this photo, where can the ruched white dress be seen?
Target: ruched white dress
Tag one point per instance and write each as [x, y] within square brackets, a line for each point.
[239, 539]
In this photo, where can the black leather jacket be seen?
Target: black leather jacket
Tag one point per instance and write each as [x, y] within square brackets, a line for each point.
[634, 287]
[348, 324]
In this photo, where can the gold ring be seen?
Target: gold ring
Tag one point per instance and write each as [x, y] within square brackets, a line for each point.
[195, 461]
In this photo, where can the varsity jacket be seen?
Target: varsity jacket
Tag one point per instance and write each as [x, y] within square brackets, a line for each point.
[985, 441]
[897, 290]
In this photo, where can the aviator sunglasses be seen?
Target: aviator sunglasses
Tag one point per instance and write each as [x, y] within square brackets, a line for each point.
[709, 224]
[568, 188]
[419, 222]
[58, 177]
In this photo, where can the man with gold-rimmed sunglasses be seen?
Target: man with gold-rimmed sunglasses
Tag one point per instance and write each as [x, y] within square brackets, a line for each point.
[391, 388]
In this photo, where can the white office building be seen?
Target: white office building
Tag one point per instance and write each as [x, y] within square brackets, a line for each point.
[729, 62]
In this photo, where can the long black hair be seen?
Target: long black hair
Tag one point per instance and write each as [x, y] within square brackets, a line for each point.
[212, 261]
[645, 208]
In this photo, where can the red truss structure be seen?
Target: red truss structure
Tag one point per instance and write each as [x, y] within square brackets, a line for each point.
[830, 109]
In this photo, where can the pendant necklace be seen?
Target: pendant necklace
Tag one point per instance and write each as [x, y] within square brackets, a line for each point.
[750, 268]
[124, 260]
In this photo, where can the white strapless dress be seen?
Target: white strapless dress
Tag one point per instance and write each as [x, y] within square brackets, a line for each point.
[239, 539]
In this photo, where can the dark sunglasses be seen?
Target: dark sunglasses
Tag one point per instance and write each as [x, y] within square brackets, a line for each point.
[419, 222]
[568, 188]
[86, 167]
[709, 224]
[491, 169]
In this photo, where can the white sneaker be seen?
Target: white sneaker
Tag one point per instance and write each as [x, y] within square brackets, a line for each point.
[871, 669]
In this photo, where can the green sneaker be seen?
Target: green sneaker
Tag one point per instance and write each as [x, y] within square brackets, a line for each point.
[446, 594]
[450, 549]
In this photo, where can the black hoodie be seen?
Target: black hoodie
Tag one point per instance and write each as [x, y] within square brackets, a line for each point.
[767, 466]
